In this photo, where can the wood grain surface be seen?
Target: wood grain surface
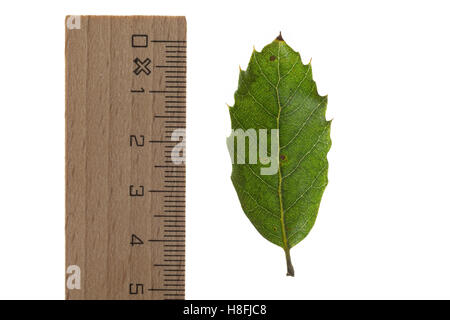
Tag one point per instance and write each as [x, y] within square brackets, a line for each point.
[109, 99]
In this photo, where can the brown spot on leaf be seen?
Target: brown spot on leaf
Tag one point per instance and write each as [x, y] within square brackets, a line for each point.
[272, 58]
[283, 157]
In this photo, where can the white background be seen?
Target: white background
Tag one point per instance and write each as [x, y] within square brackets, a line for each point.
[383, 229]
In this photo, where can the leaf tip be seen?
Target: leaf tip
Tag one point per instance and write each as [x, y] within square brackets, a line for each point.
[279, 38]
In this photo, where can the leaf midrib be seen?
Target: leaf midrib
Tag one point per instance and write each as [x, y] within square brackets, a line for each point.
[280, 177]
[284, 232]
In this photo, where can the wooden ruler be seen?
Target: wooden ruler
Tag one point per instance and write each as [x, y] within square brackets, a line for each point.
[125, 172]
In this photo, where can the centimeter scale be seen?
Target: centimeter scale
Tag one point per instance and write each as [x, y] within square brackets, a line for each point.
[125, 169]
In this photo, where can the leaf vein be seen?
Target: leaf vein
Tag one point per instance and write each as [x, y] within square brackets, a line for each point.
[309, 188]
[300, 105]
[309, 151]
[298, 86]
[304, 124]
[262, 72]
[259, 103]
[292, 68]
[256, 201]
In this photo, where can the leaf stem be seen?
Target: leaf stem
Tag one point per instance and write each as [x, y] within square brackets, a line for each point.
[290, 267]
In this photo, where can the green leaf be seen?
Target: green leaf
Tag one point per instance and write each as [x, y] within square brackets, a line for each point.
[277, 91]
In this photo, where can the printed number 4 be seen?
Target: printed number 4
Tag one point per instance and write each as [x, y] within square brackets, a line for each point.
[135, 240]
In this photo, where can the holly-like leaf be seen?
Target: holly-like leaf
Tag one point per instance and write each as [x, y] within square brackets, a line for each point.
[277, 91]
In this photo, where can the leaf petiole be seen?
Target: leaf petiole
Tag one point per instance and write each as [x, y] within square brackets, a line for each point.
[290, 267]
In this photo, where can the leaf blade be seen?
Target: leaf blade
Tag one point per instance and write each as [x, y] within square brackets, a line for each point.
[277, 91]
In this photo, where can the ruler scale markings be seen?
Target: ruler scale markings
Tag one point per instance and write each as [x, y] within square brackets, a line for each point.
[166, 66]
[170, 117]
[165, 240]
[168, 216]
[172, 270]
[165, 91]
[173, 285]
[114, 72]
[168, 41]
[173, 280]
